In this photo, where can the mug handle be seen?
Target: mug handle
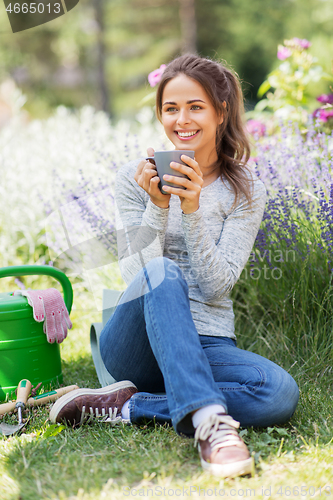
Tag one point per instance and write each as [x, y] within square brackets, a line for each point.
[151, 159]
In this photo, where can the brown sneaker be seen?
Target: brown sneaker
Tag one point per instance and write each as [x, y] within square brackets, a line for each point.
[80, 405]
[222, 451]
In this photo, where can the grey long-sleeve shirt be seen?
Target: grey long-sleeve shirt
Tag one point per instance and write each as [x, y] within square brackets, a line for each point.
[211, 245]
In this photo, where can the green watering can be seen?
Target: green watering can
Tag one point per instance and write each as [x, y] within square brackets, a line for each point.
[24, 350]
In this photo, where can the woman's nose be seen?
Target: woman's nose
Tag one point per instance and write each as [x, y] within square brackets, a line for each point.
[183, 117]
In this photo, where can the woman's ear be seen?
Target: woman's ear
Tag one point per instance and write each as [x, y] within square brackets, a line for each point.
[221, 117]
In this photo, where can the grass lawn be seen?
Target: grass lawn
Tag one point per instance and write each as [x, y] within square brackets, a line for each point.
[97, 461]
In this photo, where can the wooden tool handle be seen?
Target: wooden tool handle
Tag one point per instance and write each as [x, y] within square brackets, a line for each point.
[42, 399]
[48, 397]
[23, 392]
[7, 407]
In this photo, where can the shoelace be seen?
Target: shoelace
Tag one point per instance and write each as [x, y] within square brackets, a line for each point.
[220, 430]
[111, 416]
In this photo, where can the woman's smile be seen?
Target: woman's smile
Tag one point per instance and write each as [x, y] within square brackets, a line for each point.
[185, 135]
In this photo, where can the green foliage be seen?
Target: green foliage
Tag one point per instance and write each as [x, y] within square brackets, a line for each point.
[290, 97]
[61, 62]
[52, 431]
[284, 298]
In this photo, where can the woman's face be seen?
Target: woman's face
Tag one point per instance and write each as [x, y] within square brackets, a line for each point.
[190, 119]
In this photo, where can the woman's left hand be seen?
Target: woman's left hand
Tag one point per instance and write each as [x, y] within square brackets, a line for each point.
[189, 197]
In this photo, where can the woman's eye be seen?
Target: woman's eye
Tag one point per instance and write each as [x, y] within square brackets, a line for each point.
[195, 106]
[170, 109]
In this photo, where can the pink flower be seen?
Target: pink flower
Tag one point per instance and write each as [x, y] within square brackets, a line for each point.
[256, 128]
[305, 44]
[283, 53]
[323, 114]
[155, 76]
[325, 98]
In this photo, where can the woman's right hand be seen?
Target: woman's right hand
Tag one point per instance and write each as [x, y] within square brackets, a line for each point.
[147, 178]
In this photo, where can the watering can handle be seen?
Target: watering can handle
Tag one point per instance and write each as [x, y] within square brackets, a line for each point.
[44, 270]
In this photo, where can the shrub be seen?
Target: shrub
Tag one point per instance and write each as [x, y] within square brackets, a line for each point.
[285, 293]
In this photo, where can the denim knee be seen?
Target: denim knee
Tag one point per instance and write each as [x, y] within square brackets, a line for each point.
[162, 264]
[160, 269]
[283, 398]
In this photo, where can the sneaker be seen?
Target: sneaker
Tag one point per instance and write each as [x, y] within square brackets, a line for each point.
[222, 452]
[81, 405]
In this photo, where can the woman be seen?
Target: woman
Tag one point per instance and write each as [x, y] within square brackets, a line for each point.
[172, 334]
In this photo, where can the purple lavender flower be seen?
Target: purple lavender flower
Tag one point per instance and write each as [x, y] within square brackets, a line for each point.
[297, 172]
[20, 284]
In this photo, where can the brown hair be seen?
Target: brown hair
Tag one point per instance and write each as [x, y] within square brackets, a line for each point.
[223, 88]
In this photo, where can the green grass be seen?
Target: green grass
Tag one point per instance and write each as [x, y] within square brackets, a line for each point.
[97, 461]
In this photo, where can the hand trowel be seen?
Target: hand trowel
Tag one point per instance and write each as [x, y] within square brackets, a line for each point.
[23, 392]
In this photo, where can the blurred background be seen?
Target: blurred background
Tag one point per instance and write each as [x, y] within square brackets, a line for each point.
[101, 52]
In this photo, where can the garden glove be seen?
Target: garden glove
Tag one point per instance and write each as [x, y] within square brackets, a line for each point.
[48, 306]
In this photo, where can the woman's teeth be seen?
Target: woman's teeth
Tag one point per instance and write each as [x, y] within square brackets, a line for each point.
[186, 134]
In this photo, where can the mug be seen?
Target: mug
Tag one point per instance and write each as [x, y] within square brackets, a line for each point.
[162, 160]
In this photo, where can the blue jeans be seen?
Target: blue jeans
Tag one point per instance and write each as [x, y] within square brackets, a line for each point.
[151, 340]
